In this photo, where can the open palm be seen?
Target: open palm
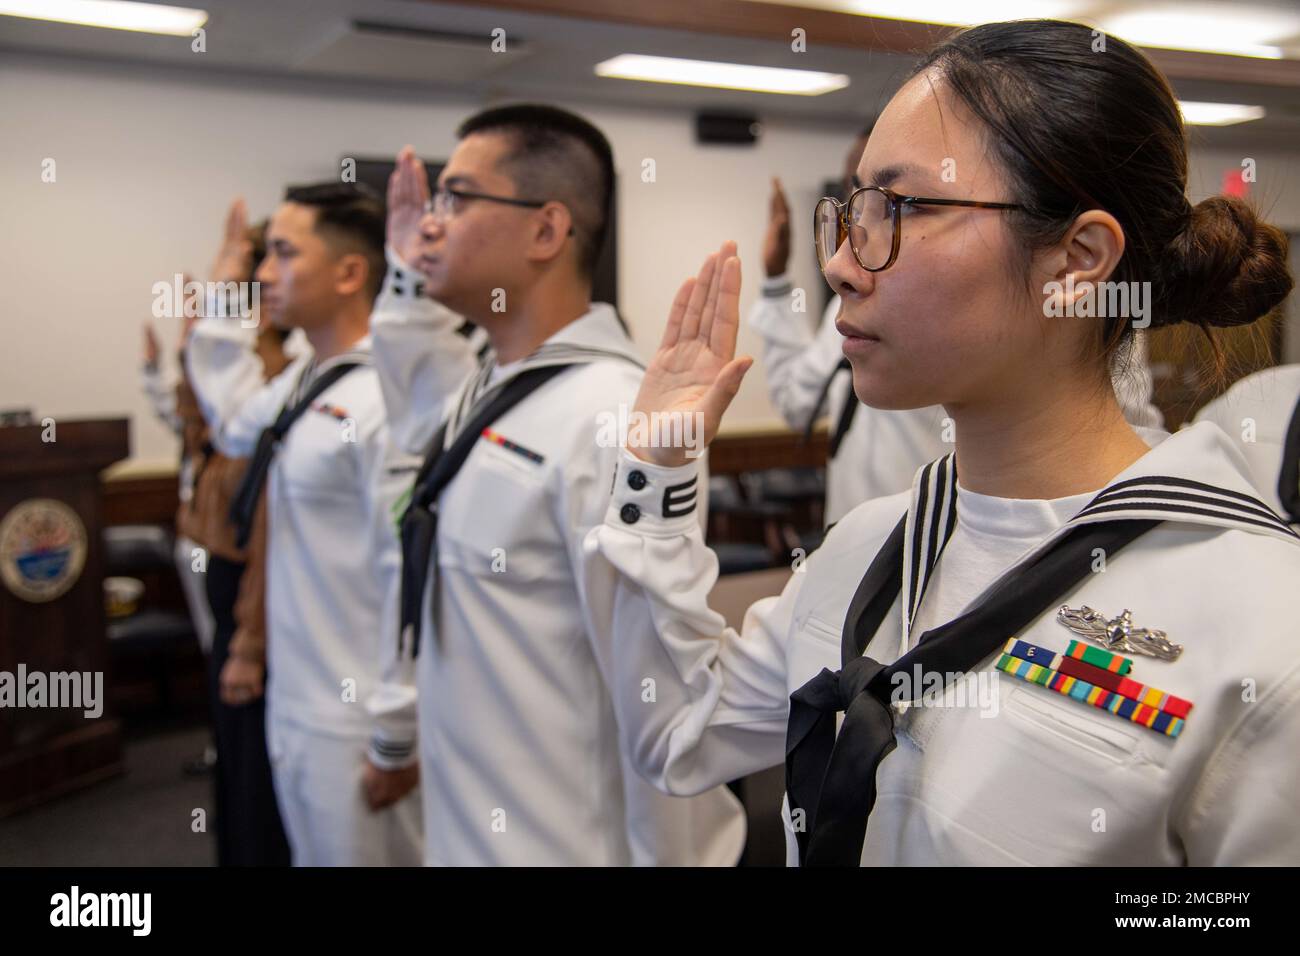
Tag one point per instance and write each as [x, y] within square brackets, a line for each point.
[695, 373]
[234, 261]
[408, 193]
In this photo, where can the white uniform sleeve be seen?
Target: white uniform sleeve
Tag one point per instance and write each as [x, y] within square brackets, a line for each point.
[225, 372]
[420, 357]
[797, 358]
[1242, 813]
[697, 703]
[160, 388]
[389, 474]
[709, 829]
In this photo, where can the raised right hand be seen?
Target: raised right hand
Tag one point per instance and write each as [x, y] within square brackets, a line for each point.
[234, 262]
[776, 243]
[408, 194]
[694, 372]
[151, 349]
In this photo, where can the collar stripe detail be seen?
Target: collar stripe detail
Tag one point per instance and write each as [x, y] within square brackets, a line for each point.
[1177, 483]
[1260, 511]
[936, 517]
[1177, 510]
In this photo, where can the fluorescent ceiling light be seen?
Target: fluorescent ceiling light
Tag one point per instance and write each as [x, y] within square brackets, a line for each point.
[1207, 28]
[1218, 114]
[112, 14]
[954, 13]
[727, 76]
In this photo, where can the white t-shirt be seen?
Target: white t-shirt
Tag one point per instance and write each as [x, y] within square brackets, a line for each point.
[991, 535]
[503, 371]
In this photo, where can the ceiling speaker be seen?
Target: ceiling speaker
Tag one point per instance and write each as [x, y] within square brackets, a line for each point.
[736, 129]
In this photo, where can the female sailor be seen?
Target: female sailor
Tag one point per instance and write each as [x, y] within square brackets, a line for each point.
[1063, 645]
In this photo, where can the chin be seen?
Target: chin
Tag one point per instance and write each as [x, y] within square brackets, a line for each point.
[469, 306]
[438, 291]
[435, 275]
[878, 391]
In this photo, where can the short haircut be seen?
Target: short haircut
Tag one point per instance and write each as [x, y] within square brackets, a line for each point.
[350, 215]
[556, 155]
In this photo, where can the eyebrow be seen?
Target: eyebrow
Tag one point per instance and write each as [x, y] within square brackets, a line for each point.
[454, 182]
[888, 175]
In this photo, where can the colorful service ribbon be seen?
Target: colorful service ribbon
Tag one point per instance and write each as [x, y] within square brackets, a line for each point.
[1101, 687]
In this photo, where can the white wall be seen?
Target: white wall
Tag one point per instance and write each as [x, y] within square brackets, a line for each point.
[147, 161]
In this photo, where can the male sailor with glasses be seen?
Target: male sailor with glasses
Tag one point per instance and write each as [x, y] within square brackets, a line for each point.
[518, 749]
[872, 451]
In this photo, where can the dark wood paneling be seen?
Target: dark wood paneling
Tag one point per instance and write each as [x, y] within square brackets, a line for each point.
[33, 774]
[150, 499]
[758, 449]
[78, 447]
[773, 21]
[44, 751]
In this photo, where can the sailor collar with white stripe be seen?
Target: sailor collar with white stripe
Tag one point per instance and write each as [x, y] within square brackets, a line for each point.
[358, 353]
[1195, 476]
[597, 334]
[598, 329]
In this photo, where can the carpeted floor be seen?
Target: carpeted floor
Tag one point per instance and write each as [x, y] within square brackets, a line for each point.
[142, 818]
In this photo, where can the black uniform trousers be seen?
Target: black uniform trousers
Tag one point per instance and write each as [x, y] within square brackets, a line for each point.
[249, 831]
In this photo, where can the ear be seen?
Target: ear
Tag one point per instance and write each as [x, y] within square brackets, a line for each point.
[552, 225]
[351, 272]
[1086, 255]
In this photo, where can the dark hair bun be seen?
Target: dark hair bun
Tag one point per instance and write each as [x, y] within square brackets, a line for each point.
[1227, 267]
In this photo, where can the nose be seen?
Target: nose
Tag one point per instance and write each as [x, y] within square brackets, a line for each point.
[845, 277]
[431, 227]
[265, 272]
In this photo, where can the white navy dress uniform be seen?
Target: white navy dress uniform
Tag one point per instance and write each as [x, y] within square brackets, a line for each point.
[1049, 780]
[1261, 414]
[520, 762]
[332, 559]
[879, 449]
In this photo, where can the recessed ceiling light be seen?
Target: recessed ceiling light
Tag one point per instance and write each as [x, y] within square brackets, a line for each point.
[111, 14]
[727, 76]
[1218, 114]
[1207, 28]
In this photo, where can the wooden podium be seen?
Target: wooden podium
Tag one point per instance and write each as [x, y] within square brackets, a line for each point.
[52, 608]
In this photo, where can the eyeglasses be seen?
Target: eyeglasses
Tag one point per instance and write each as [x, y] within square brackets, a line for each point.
[447, 202]
[870, 220]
